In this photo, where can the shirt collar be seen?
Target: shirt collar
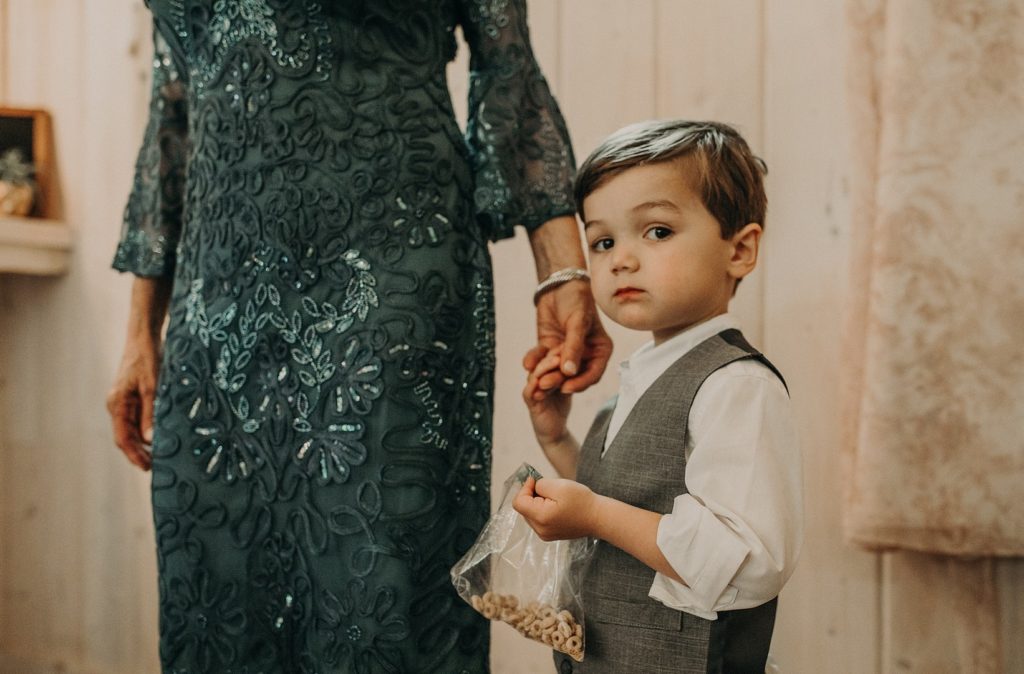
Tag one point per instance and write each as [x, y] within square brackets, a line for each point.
[649, 362]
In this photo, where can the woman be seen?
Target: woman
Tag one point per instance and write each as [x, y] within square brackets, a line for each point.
[321, 428]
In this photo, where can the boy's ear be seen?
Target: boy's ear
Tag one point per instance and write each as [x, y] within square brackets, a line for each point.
[745, 245]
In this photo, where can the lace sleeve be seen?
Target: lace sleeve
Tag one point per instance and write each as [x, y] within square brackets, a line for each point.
[152, 218]
[522, 158]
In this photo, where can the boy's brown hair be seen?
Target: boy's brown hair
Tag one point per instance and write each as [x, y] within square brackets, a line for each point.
[718, 162]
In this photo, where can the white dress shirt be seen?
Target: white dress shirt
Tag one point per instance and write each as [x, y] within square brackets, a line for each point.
[735, 537]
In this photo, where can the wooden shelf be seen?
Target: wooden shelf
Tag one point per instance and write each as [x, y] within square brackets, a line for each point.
[34, 246]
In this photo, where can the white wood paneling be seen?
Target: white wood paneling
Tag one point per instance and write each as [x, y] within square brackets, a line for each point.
[1010, 589]
[3, 59]
[932, 610]
[608, 56]
[829, 614]
[709, 66]
[78, 582]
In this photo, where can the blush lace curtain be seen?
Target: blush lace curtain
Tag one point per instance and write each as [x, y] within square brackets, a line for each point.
[934, 367]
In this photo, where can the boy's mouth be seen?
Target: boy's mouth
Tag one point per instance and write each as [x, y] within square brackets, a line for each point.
[627, 293]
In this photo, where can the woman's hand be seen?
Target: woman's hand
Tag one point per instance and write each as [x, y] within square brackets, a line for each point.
[567, 319]
[130, 401]
[566, 315]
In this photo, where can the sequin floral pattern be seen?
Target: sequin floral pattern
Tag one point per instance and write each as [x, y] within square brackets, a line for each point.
[323, 420]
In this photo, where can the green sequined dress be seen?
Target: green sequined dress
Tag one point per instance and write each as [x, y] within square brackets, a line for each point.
[321, 454]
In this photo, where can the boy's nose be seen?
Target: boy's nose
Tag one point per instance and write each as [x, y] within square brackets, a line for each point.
[624, 259]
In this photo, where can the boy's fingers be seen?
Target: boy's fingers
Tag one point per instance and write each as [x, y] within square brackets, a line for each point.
[542, 488]
[534, 356]
[528, 390]
[551, 380]
[549, 362]
[523, 502]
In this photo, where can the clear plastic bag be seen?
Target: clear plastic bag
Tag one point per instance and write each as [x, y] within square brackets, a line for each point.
[511, 575]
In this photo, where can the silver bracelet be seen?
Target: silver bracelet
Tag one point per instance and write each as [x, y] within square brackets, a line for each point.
[558, 278]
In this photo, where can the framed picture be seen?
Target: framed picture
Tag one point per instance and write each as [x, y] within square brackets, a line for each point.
[29, 132]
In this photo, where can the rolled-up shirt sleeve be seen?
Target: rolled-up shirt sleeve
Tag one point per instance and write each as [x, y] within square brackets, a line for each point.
[735, 537]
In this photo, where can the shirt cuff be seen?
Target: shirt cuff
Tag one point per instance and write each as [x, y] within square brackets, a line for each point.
[703, 551]
[675, 595]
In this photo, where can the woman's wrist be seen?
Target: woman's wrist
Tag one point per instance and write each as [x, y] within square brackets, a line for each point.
[149, 302]
[556, 245]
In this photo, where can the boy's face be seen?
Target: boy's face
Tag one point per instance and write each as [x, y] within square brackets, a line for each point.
[658, 261]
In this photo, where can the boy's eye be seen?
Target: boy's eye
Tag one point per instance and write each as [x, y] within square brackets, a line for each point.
[658, 232]
[602, 245]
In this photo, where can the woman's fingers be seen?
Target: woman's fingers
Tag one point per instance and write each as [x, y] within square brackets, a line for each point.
[125, 414]
[146, 395]
[572, 348]
[598, 353]
[593, 368]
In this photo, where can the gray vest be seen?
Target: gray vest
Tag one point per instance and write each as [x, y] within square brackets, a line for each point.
[626, 630]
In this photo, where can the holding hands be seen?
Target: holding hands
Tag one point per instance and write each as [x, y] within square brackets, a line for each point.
[567, 323]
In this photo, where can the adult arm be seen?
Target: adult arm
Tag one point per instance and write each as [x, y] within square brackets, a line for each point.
[149, 237]
[523, 169]
[130, 401]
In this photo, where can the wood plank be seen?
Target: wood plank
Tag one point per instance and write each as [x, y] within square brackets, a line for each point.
[119, 569]
[709, 66]
[829, 612]
[1010, 579]
[940, 614]
[545, 26]
[44, 615]
[5, 57]
[607, 66]
[80, 585]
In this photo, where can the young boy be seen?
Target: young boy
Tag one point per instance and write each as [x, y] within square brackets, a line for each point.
[691, 478]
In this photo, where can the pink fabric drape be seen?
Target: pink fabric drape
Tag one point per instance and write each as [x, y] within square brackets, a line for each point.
[935, 341]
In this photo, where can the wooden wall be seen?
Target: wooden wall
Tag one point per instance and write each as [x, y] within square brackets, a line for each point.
[77, 570]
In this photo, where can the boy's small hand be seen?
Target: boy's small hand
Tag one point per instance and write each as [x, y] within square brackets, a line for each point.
[549, 412]
[546, 376]
[557, 509]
